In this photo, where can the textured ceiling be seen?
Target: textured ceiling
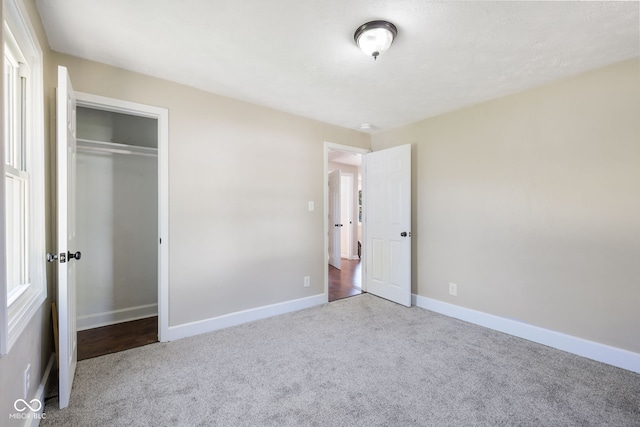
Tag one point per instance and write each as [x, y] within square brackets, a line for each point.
[299, 56]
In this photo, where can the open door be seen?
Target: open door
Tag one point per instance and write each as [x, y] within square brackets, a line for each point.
[388, 223]
[334, 219]
[66, 165]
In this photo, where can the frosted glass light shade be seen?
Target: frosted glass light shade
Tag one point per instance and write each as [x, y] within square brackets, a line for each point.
[375, 37]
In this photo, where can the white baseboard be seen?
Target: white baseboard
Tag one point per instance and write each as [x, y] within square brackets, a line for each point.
[237, 318]
[97, 320]
[592, 350]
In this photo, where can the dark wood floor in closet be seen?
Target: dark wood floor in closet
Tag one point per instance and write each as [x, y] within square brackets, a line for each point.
[113, 338]
[345, 282]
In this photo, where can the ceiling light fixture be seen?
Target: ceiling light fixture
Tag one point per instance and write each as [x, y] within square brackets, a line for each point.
[375, 37]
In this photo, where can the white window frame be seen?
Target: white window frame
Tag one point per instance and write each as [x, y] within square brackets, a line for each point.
[16, 313]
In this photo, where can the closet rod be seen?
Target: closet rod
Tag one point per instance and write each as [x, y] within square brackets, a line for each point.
[115, 148]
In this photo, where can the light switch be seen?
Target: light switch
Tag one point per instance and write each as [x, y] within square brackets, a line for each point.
[311, 206]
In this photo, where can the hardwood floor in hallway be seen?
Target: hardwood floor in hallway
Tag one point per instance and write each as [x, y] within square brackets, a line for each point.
[345, 282]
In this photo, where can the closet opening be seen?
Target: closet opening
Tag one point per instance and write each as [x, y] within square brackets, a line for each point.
[117, 227]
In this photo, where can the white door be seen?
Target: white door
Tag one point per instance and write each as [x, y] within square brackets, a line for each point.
[388, 223]
[67, 258]
[346, 215]
[334, 219]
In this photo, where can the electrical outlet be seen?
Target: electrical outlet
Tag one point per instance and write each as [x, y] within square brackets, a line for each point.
[453, 289]
[307, 281]
[27, 381]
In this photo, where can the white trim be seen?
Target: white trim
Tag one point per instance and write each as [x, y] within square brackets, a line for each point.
[163, 225]
[16, 293]
[244, 316]
[14, 319]
[97, 320]
[336, 147]
[23, 314]
[592, 350]
[162, 115]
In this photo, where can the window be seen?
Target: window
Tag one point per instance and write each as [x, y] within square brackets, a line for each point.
[16, 171]
[24, 284]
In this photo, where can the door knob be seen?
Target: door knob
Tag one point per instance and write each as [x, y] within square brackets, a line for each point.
[77, 255]
[404, 234]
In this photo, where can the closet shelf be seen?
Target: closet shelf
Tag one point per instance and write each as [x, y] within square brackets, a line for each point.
[115, 148]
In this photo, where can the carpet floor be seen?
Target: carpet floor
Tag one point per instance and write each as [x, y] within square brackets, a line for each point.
[360, 361]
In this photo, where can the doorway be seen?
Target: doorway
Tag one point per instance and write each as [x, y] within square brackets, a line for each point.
[344, 266]
[117, 227]
[385, 249]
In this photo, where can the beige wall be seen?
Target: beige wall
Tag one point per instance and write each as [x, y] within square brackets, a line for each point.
[240, 177]
[531, 204]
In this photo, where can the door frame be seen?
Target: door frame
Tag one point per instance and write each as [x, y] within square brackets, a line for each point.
[162, 117]
[330, 146]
